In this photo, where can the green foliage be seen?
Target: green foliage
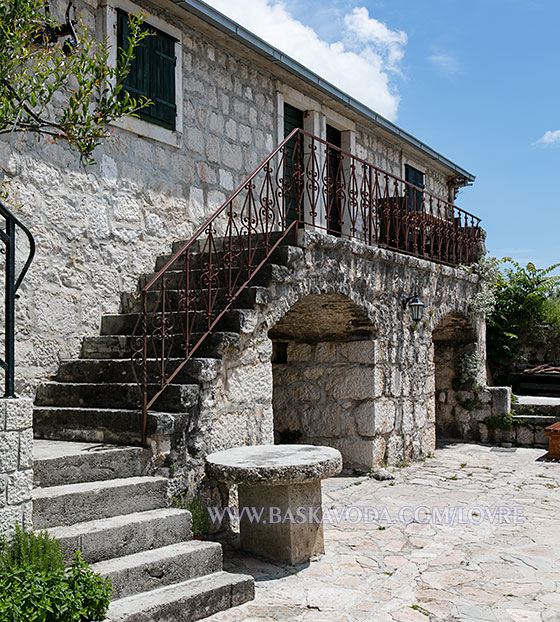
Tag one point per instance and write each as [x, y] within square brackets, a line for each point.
[469, 368]
[197, 505]
[51, 88]
[26, 549]
[499, 422]
[524, 299]
[35, 587]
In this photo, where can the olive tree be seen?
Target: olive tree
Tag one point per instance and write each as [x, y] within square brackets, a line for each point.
[55, 79]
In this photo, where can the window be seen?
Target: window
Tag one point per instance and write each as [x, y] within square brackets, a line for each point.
[157, 73]
[414, 197]
[152, 73]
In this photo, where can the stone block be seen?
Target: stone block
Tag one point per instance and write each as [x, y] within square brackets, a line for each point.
[19, 413]
[360, 453]
[541, 439]
[277, 535]
[299, 352]
[357, 383]
[501, 400]
[358, 351]
[394, 452]
[326, 352]
[305, 392]
[9, 451]
[407, 425]
[321, 420]
[365, 417]
[20, 484]
[525, 436]
[485, 396]
[9, 516]
[25, 460]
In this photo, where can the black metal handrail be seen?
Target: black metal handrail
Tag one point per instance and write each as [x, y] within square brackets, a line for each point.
[12, 284]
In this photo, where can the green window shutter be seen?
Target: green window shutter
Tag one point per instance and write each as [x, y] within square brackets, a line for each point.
[414, 197]
[152, 73]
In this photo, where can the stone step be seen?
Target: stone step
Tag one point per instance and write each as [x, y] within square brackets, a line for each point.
[176, 397]
[196, 259]
[107, 538]
[268, 274]
[201, 245]
[233, 320]
[119, 346]
[104, 425]
[149, 570]
[77, 503]
[185, 602]
[57, 462]
[121, 370]
[247, 298]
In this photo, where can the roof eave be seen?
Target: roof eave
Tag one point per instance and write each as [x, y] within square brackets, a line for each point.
[250, 40]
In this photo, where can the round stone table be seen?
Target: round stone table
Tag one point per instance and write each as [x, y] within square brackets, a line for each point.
[280, 511]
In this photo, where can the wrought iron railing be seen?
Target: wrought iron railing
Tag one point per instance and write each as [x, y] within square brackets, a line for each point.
[303, 182]
[9, 238]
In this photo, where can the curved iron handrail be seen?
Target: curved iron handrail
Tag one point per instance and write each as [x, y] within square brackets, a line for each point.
[12, 284]
[304, 181]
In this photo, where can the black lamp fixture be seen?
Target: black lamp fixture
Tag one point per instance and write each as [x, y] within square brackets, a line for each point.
[416, 306]
[51, 34]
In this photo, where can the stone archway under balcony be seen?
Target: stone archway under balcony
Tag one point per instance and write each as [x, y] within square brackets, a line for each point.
[325, 382]
[457, 367]
[331, 337]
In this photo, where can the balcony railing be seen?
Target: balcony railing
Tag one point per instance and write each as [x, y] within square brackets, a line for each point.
[305, 182]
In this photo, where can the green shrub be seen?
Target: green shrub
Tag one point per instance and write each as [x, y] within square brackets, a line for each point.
[35, 587]
[525, 297]
[197, 505]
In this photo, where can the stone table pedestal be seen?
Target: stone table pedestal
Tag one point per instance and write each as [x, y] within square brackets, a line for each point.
[279, 496]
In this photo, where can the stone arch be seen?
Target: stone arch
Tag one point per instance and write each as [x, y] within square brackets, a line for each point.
[456, 344]
[324, 377]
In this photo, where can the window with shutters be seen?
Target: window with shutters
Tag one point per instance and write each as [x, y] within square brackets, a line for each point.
[152, 73]
[156, 72]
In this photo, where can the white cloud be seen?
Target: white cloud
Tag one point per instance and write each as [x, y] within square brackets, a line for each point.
[549, 139]
[362, 63]
[446, 63]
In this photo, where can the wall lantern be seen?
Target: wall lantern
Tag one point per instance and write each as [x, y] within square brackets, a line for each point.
[416, 306]
[51, 34]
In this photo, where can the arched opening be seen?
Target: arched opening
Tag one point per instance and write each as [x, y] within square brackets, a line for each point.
[457, 364]
[325, 380]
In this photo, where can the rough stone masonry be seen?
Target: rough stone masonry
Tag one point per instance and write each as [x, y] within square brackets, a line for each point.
[16, 462]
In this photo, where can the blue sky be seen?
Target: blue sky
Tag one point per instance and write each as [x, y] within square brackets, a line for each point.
[477, 81]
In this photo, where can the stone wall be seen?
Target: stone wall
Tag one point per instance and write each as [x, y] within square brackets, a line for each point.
[372, 396]
[98, 229]
[335, 394]
[16, 461]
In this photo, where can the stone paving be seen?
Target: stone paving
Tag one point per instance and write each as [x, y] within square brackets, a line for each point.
[434, 569]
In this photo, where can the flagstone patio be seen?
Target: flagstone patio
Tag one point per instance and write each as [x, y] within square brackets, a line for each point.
[493, 556]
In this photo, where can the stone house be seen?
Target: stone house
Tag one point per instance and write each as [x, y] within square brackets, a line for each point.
[328, 355]
[247, 263]
[288, 317]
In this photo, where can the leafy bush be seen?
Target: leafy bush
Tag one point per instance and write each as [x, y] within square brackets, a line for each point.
[35, 587]
[525, 297]
[197, 505]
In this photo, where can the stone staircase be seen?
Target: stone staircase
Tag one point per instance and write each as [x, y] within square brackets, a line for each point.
[95, 398]
[101, 500]
[104, 500]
